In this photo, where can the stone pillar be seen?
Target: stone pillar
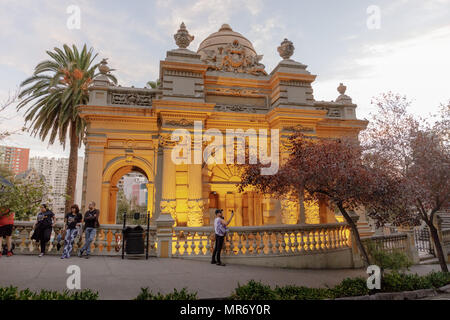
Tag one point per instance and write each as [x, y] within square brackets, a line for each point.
[168, 201]
[166, 219]
[289, 211]
[411, 249]
[150, 199]
[221, 204]
[229, 205]
[250, 211]
[95, 147]
[112, 207]
[363, 226]
[238, 209]
[325, 212]
[195, 196]
[257, 209]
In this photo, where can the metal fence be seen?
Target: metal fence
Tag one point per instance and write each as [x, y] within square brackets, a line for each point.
[422, 239]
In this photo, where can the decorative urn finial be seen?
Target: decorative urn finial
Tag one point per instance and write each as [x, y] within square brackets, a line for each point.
[286, 49]
[182, 37]
[341, 89]
[343, 98]
[103, 67]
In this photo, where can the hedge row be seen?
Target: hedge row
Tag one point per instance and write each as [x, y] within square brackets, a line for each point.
[253, 290]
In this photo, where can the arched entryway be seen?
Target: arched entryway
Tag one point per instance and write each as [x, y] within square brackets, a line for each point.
[112, 174]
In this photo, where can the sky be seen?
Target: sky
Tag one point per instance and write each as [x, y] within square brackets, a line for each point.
[372, 47]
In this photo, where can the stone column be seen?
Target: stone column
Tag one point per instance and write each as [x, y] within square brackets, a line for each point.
[166, 219]
[112, 207]
[229, 205]
[257, 209]
[95, 147]
[195, 196]
[168, 201]
[150, 199]
[325, 212]
[289, 211]
[238, 209]
[250, 211]
[221, 204]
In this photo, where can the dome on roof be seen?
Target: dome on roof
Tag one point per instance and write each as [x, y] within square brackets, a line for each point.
[222, 38]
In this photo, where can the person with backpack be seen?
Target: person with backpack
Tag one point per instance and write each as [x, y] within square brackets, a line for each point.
[90, 228]
[72, 228]
[43, 227]
[6, 228]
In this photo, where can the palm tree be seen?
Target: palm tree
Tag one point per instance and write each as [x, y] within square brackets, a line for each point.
[154, 84]
[53, 94]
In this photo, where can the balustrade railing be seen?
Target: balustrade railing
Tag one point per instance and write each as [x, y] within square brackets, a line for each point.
[107, 241]
[262, 240]
[446, 236]
[390, 243]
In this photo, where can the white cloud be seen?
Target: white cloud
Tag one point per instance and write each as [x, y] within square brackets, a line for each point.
[417, 67]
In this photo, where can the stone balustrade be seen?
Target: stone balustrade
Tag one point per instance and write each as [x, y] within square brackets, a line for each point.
[446, 236]
[271, 240]
[107, 241]
[390, 243]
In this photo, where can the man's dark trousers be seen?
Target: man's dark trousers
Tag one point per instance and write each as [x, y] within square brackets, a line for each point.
[217, 249]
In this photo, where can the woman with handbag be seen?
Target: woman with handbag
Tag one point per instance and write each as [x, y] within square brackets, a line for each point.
[43, 227]
[72, 222]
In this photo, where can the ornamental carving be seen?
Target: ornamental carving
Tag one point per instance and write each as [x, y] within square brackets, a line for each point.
[234, 58]
[180, 123]
[131, 98]
[169, 207]
[195, 215]
[235, 108]
[299, 128]
[165, 140]
[238, 92]
[331, 112]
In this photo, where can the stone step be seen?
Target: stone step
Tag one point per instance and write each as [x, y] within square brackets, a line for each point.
[429, 261]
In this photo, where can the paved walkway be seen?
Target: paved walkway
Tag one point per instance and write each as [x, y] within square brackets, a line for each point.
[114, 278]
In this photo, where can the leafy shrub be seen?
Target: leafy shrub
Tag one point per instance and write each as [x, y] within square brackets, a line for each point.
[12, 293]
[394, 282]
[395, 260]
[253, 291]
[438, 279]
[303, 293]
[351, 287]
[183, 294]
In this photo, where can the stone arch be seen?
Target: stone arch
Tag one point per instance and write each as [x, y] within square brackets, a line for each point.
[113, 171]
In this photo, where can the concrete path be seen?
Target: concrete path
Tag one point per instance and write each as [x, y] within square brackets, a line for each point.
[114, 278]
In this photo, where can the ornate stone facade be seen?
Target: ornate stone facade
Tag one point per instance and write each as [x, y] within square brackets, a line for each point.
[223, 86]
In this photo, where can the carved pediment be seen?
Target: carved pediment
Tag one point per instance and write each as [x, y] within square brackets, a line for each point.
[234, 58]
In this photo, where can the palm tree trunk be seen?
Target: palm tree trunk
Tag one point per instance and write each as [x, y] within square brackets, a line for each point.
[73, 164]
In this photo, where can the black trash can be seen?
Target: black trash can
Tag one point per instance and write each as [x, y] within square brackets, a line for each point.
[134, 240]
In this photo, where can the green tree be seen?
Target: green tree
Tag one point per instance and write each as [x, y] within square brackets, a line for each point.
[154, 84]
[52, 95]
[23, 197]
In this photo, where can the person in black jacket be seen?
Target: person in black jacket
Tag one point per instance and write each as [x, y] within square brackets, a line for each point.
[72, 228]
[90, 225]
[43, 227]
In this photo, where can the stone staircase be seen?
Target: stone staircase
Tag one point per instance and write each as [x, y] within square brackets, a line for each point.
[445, 216]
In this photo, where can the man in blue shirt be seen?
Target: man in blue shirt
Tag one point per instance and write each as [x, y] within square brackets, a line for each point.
[220, 229]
